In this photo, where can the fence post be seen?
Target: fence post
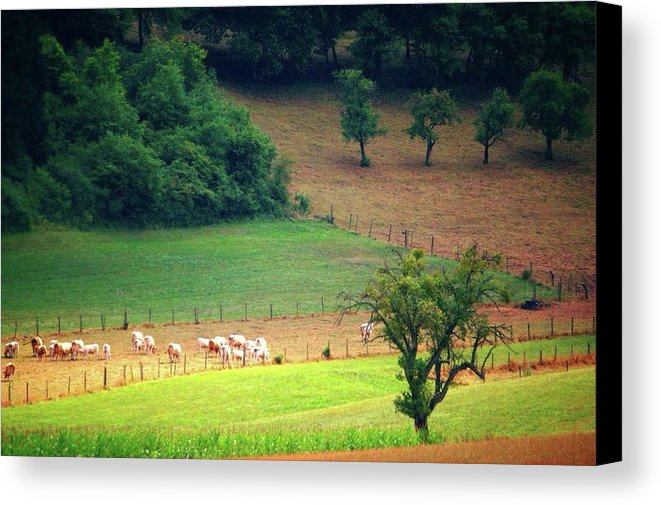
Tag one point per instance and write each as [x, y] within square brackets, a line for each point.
[197, 321]
[431, 249]
[492, 361]
[411, 240]
[572, 326]
[332, 219]
[16, 327]
[142, 372]
[588, 348]
[271, 309]
[185, 363]
[103, 324]
[507, 264]
[124, 374]
[150, 314]
[540, 356]
[9, 391]
[350, 221]
[46, 389]
[85, 381]
[37, 320]
[126, 319]
[105, 377]
[528, 330]
[69, 386]
[370, 232]
[551, 325]
[322, 304]
[58, 325]
[27, 392]
[245, 309]
[285, 358]
[296, 308]
[172, 317]
[221, 313]
[389, 233]
[81, 322]
[307, 352]
[356, 223]
[524, 357]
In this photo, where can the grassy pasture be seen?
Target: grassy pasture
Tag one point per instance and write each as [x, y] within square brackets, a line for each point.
[308, 407]
[58, 272]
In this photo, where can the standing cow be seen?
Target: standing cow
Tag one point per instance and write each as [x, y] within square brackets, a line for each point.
[105, 352]
[36, 342]
[9, 371]
[11, 349]
[366, 331]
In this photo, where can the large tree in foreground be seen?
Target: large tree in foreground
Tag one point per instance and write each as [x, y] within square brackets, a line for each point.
[495, 116]
[358, 120]
[431, 317]
[555, 108]
[431, 110]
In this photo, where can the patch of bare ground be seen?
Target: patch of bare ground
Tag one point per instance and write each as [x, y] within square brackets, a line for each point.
[530, 209]
[296, 339]
[576, 449]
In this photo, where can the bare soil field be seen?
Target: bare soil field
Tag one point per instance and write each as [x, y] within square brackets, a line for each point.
[561, 449]
[530, 209]
[295, 339]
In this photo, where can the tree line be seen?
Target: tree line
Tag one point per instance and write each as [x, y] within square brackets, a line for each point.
[550, 106]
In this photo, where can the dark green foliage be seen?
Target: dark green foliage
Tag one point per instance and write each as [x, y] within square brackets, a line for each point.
[303, 204]
[137, 140]
[495, 116]
[375, 45]
[430, 110]
[326, 353]
[555, 108]
[358, 120]
[419, 309]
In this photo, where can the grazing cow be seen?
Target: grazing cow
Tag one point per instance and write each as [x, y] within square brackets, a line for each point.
[136, 335]
[366, 331]
[174, 351]
[61, 350]
[262, 353]
[76, 347]
[261, 342]
[9, 371]
[40, 352]
[249, 349]
[106, 351]
[203, 344]
[149, 344]
[89, 349]
[36, 342]
[214, 348]
[236, 340]
[237, 354]
[11, 349]
[225, 353]
[51, 349]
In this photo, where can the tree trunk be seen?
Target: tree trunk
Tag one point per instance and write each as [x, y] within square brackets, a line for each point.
[549, 149]
[428, 155]
[408, 53]
[334, 54]
[486, 154]
[420, 425]
[327, 60]
[363, 158]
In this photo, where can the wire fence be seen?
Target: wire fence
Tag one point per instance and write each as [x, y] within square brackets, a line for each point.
[579, 284]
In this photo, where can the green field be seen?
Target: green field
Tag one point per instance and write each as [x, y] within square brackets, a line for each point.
[61, 272]
[343, 404]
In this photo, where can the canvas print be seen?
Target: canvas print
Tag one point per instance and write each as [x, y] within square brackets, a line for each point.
[321, 232]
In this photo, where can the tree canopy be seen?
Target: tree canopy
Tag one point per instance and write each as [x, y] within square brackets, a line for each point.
[495, 116]
[555, 108]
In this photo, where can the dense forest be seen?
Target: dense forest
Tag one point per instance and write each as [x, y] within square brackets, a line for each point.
[112, 118]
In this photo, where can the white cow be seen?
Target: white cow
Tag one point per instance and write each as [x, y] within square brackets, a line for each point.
[237, 354]
[174, 351]
[89, 349]
[11, 349]
[76, 347]
[236, 340]
[149, 344]
[249, 349]
[106, 351]
[225, 353]
[262, 353]
[366, 331]
[51, 349]
[137, 341]
[203, 344]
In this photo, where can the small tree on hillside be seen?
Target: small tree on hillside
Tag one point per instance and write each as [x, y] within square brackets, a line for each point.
[495, 116]
[554, 107]
[358, 120]
[430, 110]
[431, 318]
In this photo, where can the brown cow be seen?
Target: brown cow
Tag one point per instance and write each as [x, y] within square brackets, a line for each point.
[40, 352]
[36, 342]
[9, 371]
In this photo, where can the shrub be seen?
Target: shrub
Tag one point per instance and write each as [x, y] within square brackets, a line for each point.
[278, 359]
[326, 352]
[526, 275]
[303, 204]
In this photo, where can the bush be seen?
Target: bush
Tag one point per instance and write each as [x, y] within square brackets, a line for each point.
[526, 275]
[278, 359]
[303, 204]
[326, 352]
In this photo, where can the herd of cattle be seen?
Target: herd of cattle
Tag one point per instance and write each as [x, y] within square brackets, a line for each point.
[235, 348]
